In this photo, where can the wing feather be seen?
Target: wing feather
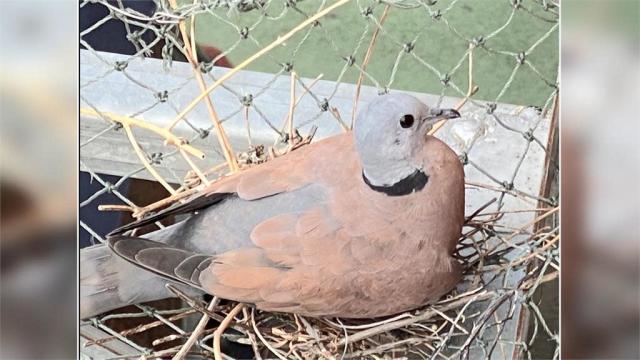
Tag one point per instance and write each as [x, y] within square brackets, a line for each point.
[290, 252]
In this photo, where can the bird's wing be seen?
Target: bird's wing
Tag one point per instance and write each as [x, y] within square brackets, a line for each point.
[278, 272]
[286, 173]
[267, 271]
[289, 252]
[303, 262]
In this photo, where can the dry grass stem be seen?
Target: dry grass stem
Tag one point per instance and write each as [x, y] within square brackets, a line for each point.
[196, 332]
[336, 114]
[191, 56]
[164, 202]
[169, 137]
[145, 162]
[292, 104]
[117, 208]
[195, 168]
[222, 327]
[306, 89]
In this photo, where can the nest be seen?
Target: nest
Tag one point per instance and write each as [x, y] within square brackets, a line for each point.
[469, 322]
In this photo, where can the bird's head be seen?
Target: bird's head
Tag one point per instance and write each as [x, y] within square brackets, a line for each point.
[389, 135]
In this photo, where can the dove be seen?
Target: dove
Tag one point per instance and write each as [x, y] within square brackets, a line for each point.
[358, 225]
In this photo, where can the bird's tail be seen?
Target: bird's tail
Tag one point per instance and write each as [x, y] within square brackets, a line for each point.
[108, 282]
[179, 265]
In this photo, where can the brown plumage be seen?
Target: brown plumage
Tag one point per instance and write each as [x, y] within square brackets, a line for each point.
[353, 251]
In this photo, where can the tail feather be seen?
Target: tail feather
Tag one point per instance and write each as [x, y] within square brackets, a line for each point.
[162, 259]
[108, 282]
[139, 268]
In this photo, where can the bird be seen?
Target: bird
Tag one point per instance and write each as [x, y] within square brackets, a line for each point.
[359, 225]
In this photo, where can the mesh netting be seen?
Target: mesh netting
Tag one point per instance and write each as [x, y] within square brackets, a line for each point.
[184, 124]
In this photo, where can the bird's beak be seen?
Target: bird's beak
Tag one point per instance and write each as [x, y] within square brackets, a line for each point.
[440, 114]
[437, 114]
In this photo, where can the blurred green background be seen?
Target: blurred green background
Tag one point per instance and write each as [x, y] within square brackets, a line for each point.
[324, 47]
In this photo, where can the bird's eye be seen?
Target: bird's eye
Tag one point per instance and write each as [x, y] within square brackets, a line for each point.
[406, 121]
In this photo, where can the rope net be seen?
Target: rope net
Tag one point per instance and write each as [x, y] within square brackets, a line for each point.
[184, 120]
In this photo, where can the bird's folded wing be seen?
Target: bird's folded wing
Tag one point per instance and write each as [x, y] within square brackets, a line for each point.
[277, 272]
[287, 249]
[286, 173]
[179, 265]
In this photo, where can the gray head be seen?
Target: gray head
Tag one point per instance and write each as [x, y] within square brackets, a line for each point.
[390, 133]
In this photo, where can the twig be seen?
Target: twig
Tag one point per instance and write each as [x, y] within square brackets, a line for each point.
[546, 278]
[429, 313]
[117, 208]
[195, 168]
[336, 115]
[533, 222]
[197, 331]
[264, 341]
[252, 337]
[514, 211]
[192, 302]
[306, 89]
[475, 213]
[245, 114]
[514, 192]
[145, 327]
[370, 325]
[258, 54]
[292, 103]
[137, 329]
[164, 202]
[480, 324]
[223, 326]
[365, 62]
[145, 162]
[454, 324]
[383, 347]
[254, 343]
[194, 50]
[227, 150]
[536, 254]
[169, 137]
[174, 337]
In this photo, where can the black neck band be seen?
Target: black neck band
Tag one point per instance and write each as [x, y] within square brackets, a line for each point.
[412, 183]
